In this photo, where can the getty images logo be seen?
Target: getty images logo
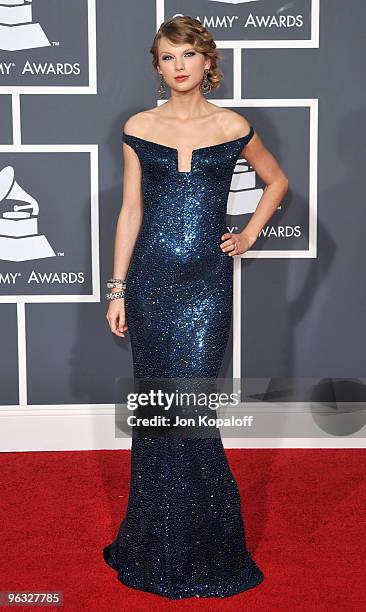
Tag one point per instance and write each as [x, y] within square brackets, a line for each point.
[17, 30]
[19, 239]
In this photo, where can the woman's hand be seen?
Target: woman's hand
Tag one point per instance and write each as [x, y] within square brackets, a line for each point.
[116, 317]
[236, 244]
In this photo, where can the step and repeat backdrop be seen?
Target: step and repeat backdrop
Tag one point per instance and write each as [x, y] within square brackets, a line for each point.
[71, 73]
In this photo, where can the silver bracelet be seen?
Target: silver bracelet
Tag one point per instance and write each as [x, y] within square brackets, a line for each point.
[117, 283]
[114, 295]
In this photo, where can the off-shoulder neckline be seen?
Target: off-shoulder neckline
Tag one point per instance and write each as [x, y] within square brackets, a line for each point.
[219, 144]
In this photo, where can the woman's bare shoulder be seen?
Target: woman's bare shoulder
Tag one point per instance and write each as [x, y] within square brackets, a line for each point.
[140, 123]
[234, 125]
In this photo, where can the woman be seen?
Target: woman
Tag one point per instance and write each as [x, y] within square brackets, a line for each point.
[183, 534]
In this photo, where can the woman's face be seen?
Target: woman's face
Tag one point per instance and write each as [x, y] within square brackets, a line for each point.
[179, 60]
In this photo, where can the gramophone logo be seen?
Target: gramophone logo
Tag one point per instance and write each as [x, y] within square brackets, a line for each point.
[243, 196]
[17, 30]
[19, 238]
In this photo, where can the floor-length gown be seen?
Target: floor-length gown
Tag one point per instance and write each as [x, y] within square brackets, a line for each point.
[183, 533]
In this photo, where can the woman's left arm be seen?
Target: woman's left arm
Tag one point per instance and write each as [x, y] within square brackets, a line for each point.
[269, 170]
[271, 173]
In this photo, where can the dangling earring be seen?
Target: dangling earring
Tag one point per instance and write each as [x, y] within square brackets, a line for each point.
[161, 89]
[205, 86]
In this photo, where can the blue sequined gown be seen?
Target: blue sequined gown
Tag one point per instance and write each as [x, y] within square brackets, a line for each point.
[183, 533]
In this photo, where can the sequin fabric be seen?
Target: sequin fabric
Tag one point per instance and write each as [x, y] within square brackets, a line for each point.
[182, 534]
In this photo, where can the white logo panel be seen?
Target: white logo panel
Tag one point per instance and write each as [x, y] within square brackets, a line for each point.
[49, 244]
[251, 23]
[47, 47]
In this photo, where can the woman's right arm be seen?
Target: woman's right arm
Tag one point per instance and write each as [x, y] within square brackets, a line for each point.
[127, 230]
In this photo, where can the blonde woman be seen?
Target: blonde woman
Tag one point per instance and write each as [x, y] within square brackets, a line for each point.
[183, 533]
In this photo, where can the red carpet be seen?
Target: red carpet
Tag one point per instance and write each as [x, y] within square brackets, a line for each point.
[304, 511]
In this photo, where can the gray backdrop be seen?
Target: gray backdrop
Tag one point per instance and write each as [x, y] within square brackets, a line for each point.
[301, 316]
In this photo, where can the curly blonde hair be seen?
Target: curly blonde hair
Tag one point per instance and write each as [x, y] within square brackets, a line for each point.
[186, 29]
